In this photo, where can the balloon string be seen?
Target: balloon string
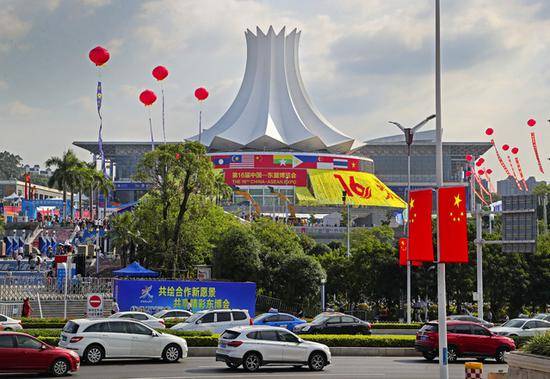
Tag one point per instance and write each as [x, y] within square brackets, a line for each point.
[482, 187]
[200, 122]
[148, 112]
[534, 143]
[99, 99]
[480, 197]
[163, 128]
[521, 173]
[514, 173]
[491, 186]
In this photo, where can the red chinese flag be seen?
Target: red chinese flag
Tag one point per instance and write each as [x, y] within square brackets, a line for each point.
[420, 226]
[403, 254]
[453, 230]
[263, 160]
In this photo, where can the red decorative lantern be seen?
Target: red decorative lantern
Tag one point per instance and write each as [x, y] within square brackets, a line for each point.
[480, 172]
[201, 93]
[469, 158]
[531, 122]
[489, 131]
[147, 97]
[480, 161]
[468, 174]
[178, 156]
[515, 150]
[160, 73]
[99, 55]
[505, 147]
[489, 171]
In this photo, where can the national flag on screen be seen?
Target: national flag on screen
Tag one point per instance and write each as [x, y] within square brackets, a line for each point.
[340, 163]
[420, 226]
[304, 161]
[263, 160]
[403, 254]
[325, 163]
[453, 228]
[221, 161]
[242, 161]
[353, 164]
[283, 160]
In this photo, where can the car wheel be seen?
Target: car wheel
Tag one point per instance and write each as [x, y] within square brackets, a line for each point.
[452, 354]
[232, 365]
[60, 367]
[252, 362]
[93, 354]
[171, 353]
[499, 356]
[429, 356]
[317, 361]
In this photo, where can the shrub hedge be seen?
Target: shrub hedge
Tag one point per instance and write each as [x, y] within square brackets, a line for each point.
[539, 345]
[396, 325]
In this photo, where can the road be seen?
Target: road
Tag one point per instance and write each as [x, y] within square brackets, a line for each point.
[341, 368]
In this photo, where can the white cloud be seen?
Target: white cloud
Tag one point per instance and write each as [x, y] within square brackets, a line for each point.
[19, 110]
[95, 3]
[3, 85]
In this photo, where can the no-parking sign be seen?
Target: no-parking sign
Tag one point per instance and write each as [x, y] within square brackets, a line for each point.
[94, 305]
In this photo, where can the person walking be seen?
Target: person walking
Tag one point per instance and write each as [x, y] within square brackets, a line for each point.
[27, 309]
[115, 308]
[19, 258]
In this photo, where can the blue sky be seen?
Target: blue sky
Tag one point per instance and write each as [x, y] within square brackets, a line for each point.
[364, 62]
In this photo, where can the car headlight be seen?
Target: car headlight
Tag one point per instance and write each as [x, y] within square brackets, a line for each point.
[306, 328]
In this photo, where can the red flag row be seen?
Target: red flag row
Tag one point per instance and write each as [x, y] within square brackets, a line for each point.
[453, 233]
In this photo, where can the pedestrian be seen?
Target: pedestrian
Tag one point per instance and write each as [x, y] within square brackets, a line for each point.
[489, 316]
[19, 258]
[189, 306]
[27, 309]
[300, 313]
[115, 308]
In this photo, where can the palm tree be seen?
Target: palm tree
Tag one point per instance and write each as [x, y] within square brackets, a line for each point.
[102, 184]
[84, 181]
[64, 175]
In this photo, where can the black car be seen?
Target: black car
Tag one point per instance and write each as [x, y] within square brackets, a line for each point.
[334, 324]
[471, 318]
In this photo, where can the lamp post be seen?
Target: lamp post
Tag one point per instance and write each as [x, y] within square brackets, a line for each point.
[346, 204]
[323, 281]
[409, 135]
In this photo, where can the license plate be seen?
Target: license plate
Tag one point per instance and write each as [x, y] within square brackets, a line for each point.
[424, 338]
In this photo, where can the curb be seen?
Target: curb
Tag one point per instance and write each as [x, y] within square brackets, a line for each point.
[336, 351]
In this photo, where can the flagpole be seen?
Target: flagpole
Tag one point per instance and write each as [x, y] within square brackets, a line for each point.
[441, 291]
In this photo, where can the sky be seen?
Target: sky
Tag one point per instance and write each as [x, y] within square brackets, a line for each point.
[364, 62]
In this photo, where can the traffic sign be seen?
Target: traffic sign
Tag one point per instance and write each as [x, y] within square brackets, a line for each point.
[94, 305]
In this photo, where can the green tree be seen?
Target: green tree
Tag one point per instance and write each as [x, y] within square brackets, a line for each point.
[64, 175]
[542, 190]
[237, 255]
[10, 166]
[301, 275]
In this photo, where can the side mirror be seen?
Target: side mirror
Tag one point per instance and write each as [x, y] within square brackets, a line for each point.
[300, 340]
[43, 347]
[198, 322]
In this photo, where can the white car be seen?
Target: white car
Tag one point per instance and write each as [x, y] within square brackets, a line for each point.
[173, 313]
[115, 338]
[522, 327]
[215, 320]
[255, 346]
[9, 324]
[147, 319]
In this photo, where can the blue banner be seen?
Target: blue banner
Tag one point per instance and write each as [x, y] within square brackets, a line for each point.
[131, 186]
[154, 295]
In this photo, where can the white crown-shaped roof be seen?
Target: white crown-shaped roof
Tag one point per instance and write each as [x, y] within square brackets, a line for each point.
[272, 109]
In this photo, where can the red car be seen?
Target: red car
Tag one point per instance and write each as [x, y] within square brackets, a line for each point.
[20, 352]
[464, 339]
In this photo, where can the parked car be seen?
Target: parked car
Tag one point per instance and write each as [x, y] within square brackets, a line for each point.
[215, 320]
[543, 316]
[147, 319]
[522, 327]
[112, 338]
[255, 346]
[464, 339]
[334, 323]
[471, 318]
[179, 314]
[20, 352]
[9, 324]
[283, 320]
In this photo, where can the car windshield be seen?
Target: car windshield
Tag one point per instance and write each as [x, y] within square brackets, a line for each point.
[195, 317]
[514, 324]
[320, 319]
[541, 316]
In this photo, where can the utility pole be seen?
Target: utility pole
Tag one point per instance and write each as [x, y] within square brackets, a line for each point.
[479, 266]
[441, 290]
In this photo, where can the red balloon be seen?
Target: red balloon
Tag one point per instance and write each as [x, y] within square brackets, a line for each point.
[505, 147]
[515, 150]
[160, 73]
[489, 171]
[178, 156]
[201, 93]
[480, 172]
[489, 131]
[469, 158]
[99, 55]
[468, 174]
[531, 122]
[147, 97]
[480, 162]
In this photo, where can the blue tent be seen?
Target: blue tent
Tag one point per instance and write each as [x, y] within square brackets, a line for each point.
[134, 269]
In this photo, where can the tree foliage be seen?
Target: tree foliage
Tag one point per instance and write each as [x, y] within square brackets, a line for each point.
[10, 166]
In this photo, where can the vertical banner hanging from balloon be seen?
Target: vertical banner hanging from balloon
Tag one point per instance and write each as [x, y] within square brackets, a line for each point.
[506, 147]
[532, 123]
[515, 151]
[99, 56]
[489, 132]
[148, 98]
[480, 183]
[488, 178]
[201, 94]
[160, 73]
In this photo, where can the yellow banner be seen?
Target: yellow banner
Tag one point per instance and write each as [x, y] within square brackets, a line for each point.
[361, 188]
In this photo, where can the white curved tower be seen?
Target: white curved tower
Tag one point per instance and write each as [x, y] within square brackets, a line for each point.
[272, 110]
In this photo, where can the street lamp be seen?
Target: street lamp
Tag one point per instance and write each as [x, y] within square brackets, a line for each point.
[409, 135]
[323, 281]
